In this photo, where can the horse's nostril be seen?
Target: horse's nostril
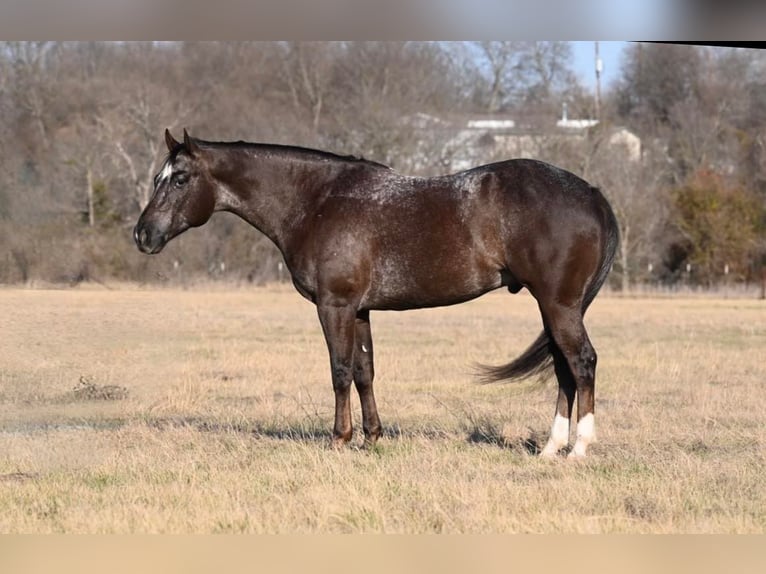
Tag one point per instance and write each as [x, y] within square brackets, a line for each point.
[140, 236]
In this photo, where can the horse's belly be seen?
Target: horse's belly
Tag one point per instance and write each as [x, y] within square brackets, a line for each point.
[427, 285]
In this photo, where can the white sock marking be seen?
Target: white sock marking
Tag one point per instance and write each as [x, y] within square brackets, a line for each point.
[559, 436]
[586, 434]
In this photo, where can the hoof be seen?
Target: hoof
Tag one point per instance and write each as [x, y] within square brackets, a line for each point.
[370, 443]
[549, 454]
[339, 442]
[575, 455]
[552, 448]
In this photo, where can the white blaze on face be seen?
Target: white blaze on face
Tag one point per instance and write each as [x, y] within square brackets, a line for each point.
[586, 434]
[559, 436]
[166, 173]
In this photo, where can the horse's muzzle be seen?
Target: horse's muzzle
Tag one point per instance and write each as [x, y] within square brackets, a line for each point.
[147, 241]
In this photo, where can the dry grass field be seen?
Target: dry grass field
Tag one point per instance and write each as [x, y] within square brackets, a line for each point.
[210, 411]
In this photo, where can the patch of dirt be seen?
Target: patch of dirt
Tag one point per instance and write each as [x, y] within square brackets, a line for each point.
[87, 390]
[17, 476]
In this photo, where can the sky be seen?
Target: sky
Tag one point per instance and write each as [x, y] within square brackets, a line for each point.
[560, 19]
[583, 61]
[394, 20]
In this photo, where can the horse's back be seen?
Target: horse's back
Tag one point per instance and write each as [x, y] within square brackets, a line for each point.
[530, 180]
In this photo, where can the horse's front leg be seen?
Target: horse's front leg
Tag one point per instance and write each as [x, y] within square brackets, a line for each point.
[338, 325]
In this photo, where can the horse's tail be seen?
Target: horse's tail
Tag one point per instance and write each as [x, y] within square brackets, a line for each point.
[611, 242]
[538, 359]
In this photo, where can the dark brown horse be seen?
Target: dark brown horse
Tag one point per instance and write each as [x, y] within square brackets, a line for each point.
[357, 237]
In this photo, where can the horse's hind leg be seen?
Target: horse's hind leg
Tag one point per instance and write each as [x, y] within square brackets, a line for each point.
[567, 389]
[364, 373]
[575, 360]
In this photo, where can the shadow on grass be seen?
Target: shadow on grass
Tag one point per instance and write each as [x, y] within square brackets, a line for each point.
[531, 444]
[307, 432]
[33, 426]
[321, 432]
[296, 432]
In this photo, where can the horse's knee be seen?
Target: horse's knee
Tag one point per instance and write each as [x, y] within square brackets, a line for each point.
[341, 377]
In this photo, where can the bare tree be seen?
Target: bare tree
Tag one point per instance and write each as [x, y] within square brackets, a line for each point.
[80, 149]
[701, 138]
[635, 191]
[523, 73]
[545, 69]
[31, 87]
[308, 73]
[384, 96]
[502, 59]
[132, 129]
[655, 77]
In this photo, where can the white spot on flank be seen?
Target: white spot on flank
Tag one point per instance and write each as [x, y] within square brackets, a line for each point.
[559, 436]
[364, 349]
[586, 434]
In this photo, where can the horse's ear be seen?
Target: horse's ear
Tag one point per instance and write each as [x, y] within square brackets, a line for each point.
[170, 141]
[191, 145]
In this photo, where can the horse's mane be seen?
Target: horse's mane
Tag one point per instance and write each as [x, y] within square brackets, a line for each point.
[280, 149]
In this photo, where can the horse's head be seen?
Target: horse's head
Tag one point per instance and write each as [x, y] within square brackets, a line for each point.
[184, 196]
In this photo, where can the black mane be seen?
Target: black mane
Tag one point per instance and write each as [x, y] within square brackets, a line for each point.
[301, 152]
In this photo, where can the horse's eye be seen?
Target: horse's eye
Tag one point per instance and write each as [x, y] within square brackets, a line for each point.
[181, 180]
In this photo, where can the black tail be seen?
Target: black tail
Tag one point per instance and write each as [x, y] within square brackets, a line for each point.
[537, 359]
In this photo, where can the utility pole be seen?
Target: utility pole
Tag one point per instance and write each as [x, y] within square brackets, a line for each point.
[599, 67]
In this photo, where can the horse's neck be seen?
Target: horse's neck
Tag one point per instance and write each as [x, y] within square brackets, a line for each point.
[273, 195]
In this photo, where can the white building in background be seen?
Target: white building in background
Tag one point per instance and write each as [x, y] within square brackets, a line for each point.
[491, 124]
[476, 140]
[625, 137]
[565, 122]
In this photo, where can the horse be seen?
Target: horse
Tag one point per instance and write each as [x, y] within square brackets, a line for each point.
[357, 236]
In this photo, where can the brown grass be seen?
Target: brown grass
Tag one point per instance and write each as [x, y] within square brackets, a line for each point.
[210, 411]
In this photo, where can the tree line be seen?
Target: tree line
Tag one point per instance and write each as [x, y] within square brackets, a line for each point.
[81, 139]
